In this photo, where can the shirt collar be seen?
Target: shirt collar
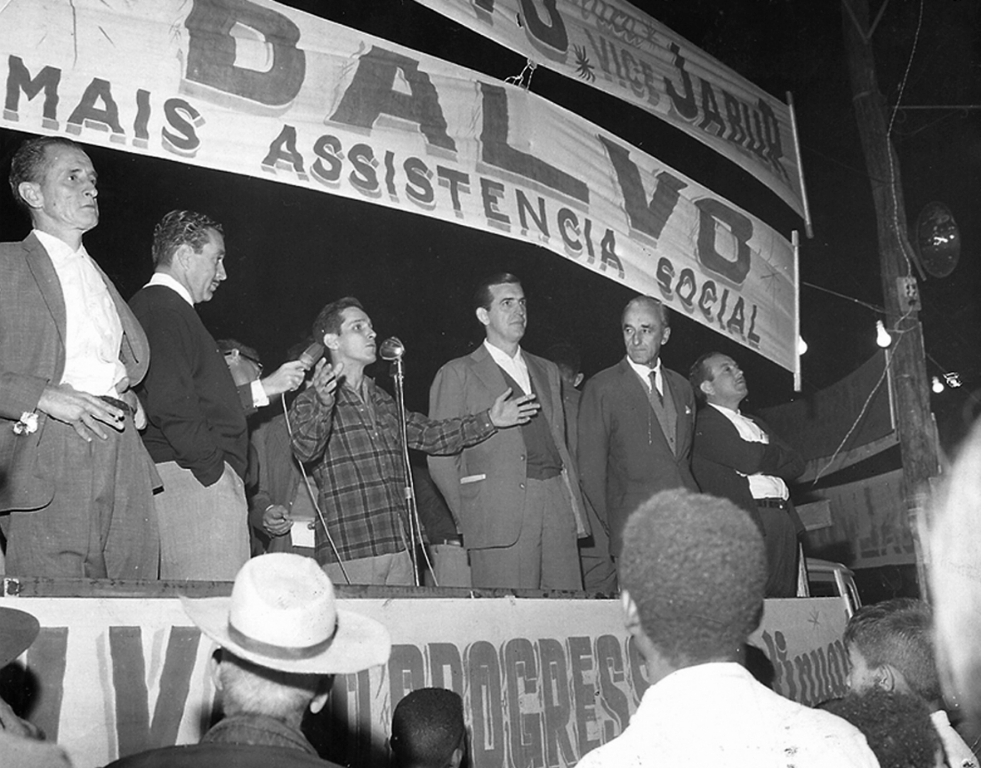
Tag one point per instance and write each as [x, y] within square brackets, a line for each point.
[57, 248]
[162, 278]
[643, 370]
[725, 410]
[501, 357]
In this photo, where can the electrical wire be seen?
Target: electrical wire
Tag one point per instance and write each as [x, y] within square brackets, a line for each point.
[313, 496]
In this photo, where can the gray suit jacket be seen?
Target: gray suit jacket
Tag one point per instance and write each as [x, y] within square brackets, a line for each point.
[484, 486]
[32, 355]
[624, 457]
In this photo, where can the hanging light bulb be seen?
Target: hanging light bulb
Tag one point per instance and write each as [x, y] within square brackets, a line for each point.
[882, 337]
[937, 386]
[801, 345]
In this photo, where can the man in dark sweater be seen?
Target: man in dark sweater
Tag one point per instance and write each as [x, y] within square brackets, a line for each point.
[197, 433]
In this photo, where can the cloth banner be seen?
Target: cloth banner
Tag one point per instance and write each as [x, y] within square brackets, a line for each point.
[620, 50]
[543, 680]
[840, 425]
[869, 526]
[263, 90]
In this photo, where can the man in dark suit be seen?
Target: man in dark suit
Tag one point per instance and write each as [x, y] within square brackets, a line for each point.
[515, 496]
[737, 458]
[635, 423]
[75, 481]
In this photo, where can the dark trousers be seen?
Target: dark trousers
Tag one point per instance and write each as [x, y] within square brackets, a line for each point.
[780, 538]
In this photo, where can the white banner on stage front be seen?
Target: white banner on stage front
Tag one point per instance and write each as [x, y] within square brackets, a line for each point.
[543, 680]
[263, 90]
[617, 48]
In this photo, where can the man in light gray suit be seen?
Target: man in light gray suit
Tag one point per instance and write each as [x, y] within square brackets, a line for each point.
[75, 480]
[515, 496]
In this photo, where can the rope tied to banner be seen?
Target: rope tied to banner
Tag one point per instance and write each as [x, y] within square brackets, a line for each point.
[523, 79]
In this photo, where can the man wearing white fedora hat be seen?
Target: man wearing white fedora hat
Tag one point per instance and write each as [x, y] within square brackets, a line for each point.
[282, 637]
[21, 742]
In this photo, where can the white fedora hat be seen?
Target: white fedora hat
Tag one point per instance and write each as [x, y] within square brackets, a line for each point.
[283, 615]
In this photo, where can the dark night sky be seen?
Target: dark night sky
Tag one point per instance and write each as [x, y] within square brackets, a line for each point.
[292, 250]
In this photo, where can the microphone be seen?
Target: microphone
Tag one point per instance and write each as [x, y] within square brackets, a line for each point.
[391, 349]
[311, 355]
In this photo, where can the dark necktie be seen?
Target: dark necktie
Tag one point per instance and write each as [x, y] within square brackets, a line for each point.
[655, 392]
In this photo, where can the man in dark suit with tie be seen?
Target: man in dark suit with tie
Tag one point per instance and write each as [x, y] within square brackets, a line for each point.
[635, 423]
[515, 496]
[75, 482]
[737, 458]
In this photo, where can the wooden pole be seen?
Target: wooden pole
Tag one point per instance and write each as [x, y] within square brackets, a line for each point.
[914, 421]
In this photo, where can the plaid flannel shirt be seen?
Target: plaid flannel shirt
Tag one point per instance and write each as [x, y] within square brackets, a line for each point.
[354, 447]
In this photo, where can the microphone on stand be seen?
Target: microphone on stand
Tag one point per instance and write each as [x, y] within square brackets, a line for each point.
[391, 349]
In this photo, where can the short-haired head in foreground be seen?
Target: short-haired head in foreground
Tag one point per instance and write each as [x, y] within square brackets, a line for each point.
[330, 318]
[896, 725]
[428, 730]
[890, 645]
[695, 567]
[179, 228]
[283, 615]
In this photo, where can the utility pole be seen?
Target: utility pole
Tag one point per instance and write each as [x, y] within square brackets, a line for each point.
[914, 421]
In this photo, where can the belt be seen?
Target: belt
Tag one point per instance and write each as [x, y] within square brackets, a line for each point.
[773, 503]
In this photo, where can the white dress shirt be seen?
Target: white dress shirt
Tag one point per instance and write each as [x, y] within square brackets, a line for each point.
[760, 486]
[719, 715]
[516, 366]
[645, 375]
[93, 331]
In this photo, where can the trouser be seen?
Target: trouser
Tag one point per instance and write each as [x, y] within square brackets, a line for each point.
[393, 569]
[545, 556]
[204, 530]
[100, 522]
[780, 540]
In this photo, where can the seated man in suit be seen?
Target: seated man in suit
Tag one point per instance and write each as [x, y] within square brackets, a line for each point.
[737, 458]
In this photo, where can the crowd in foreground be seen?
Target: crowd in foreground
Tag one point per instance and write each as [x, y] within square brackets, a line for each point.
[125, 445]
[693, 572]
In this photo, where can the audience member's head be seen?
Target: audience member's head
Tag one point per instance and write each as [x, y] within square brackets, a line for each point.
[955, 574]
[282, 636]
[896, 725]
[242, 360]
[890, 646]
[428, 730]
[569, 362]
[692, 570]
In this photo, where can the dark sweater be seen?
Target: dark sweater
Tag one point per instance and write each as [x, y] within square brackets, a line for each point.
[194, 409]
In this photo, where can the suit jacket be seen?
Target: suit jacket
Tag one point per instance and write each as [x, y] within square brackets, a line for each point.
[32, 355]
[721, 459]
[484, 486]
[624, 458]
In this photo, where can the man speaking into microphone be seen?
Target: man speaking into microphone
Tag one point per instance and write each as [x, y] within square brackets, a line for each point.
[348, 428]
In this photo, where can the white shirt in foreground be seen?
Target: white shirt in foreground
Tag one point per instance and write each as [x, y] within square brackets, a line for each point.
[719, 715]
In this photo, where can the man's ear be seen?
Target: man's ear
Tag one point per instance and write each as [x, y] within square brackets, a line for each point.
[214, 668]
[665, 334]
[30, 192]
[707, 388]
[323, 693]
[886, 678]
[457, 757]
[578, 380]
[483, 316]
[332, 340]
[631, 616]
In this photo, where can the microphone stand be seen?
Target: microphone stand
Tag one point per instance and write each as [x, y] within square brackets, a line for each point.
[415, 529]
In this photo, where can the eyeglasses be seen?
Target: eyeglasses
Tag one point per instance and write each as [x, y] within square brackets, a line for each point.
[256, 363]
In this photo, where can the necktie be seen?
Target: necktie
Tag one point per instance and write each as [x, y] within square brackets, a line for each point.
[655, 392]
